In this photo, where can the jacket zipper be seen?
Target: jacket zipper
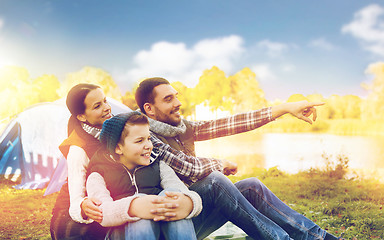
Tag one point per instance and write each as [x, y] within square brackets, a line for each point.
[133, 178]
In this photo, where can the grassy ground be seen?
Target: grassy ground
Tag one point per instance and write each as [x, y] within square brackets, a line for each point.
[24, 214]
[353, 207]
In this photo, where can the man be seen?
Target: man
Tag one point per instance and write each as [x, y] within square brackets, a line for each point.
[250, 200]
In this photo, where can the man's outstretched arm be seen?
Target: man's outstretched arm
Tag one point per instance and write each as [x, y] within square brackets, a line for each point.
[239, 123]
[302, 110]
[248, 121]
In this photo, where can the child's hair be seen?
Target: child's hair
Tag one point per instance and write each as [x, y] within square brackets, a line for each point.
[133, 120]
[116, 128]
[76, 97]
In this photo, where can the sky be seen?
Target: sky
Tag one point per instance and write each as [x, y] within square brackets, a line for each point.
[295, 46]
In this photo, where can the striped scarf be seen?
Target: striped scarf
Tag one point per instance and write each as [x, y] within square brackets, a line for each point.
[93, 131]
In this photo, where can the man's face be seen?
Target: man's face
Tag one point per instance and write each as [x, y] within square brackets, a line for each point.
[166, 106]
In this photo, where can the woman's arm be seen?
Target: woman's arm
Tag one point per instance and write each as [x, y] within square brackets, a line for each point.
[77, 162]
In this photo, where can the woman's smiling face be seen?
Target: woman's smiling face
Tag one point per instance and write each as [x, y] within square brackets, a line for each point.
[97, 109]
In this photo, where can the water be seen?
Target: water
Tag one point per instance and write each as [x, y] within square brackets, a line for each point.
[296, 152]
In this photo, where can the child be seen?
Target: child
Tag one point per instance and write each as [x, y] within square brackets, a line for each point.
[123, 178]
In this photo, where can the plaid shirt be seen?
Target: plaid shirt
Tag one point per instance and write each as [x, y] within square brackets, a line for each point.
[191, 168]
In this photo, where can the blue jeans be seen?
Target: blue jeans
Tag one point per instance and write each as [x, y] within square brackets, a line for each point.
[150, 230]
[250, 205]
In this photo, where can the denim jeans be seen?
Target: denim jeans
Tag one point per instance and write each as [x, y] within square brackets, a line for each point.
[150, 230]
[250, 205]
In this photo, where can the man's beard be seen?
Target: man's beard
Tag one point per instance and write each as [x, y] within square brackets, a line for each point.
[162, 117]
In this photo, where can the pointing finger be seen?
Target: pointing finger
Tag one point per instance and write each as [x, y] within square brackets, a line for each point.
[312, 104]
[314, 114]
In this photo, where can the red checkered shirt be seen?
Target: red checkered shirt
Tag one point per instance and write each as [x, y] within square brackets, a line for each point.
[191, 168]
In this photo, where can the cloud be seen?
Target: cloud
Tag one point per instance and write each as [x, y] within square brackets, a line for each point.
[177, 62]
[288, 68]
[274, 49]
[264, 73]
[322, 44]
[368, 27]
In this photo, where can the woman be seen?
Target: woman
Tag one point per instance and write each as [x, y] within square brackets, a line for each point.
[74, 214]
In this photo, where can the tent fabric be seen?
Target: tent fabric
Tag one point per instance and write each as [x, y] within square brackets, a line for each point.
[11, 151]
[37, 132]
[29, 145]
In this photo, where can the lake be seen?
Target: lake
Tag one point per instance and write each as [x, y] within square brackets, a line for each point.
[294, 152]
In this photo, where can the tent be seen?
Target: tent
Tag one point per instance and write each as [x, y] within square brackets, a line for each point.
[29, 145]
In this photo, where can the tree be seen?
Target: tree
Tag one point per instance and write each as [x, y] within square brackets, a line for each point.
[246, 93]
[214, 90]
[92, 75]
[46, 86]
[16, 91]
[296, 97]
[129, 100]
[373, 107]
[187, 98]
[352, 107]
[323, 111]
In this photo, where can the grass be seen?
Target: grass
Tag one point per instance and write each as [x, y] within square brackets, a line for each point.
[24, 214]
[350, 206]
[353, 207]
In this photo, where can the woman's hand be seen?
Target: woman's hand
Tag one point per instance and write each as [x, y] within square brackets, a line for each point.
[90, 209]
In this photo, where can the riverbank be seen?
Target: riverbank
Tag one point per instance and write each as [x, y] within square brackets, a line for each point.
[342, 127]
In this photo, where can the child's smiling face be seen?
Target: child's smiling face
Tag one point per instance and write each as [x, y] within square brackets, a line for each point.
[135, 149]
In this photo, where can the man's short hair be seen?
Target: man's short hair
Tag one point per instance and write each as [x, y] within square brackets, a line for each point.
[144, 93]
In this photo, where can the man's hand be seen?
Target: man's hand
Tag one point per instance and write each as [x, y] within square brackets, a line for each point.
[174, 206]
[142, 206]
[90, 208]
[302, 110]
[229, 168]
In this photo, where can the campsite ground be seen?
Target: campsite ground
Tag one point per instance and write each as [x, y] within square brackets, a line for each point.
[353, 207]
